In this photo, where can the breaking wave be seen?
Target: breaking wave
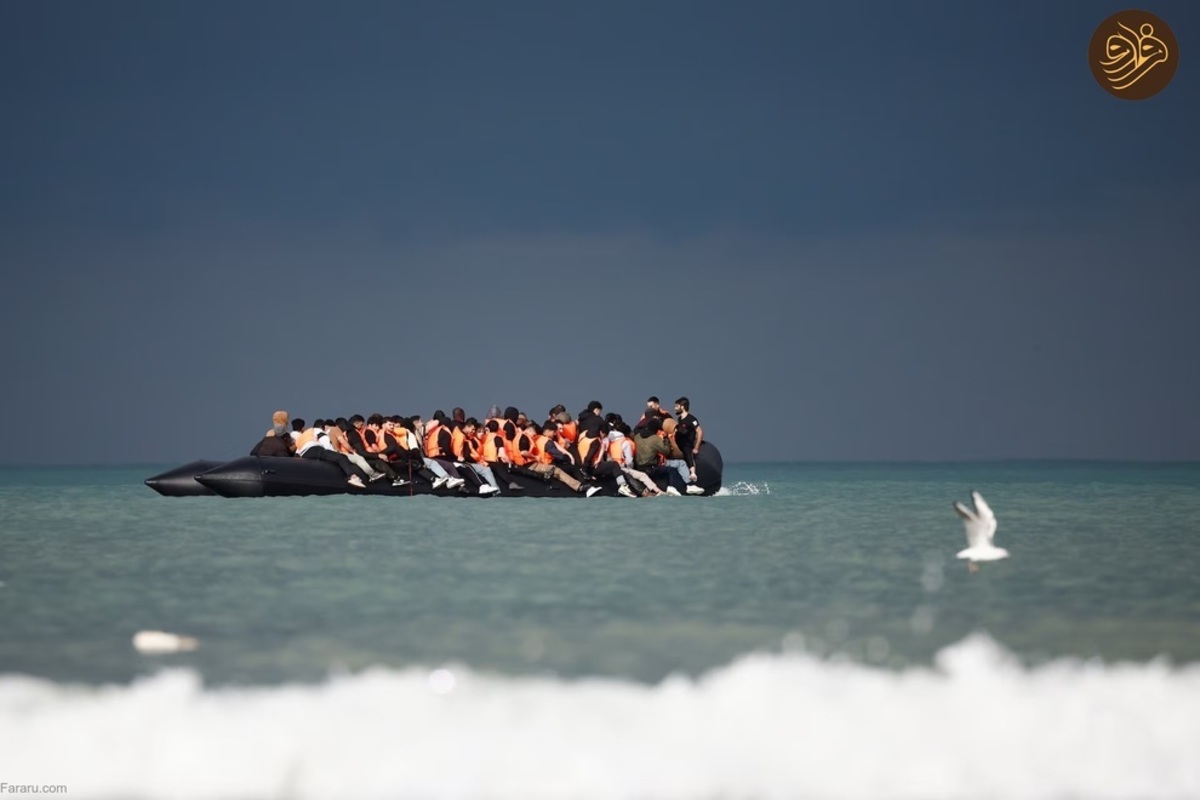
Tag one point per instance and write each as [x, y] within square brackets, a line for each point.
[977, 724]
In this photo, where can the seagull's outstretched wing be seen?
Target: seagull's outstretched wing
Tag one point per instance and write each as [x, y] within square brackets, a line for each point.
[979, 523]
[985, 515]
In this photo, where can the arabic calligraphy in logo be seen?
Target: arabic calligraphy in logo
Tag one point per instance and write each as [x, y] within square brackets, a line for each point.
[1133, 55]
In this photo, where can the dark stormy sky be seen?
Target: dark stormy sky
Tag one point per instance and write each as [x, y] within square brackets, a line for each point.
[845, 231]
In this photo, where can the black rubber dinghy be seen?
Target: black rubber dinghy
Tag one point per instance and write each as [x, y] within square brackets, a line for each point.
[253, 476]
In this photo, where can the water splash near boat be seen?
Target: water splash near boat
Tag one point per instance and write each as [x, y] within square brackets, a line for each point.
[743, 489]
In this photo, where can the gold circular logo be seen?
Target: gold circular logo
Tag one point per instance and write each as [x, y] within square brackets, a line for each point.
[1133, 55]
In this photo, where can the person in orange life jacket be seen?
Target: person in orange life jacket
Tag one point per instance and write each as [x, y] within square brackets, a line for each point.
[336, 441]
[437, 445]
[313, 443]
[508, 427]
[537, 453]
[357, 433]
[621, 452]
[399, 446]
[588, 444]
[595, 453]
[568, 431]
[468, 453]
[495, 454]
[417, 427]
[688, 436]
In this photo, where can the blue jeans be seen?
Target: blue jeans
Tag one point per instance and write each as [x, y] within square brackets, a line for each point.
[681, 465]
[436, 468]
[484, 472]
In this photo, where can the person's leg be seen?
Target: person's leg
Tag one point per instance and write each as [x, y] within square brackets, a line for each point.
[380, 465]
[365, 466]
[572, 470]
[681, 467]
[645, 480]
[451, 470]
[486, 473]
[556, 473]
[343, 463]
[434, 467]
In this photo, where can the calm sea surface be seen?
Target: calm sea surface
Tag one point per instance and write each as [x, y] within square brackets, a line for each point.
[729, 635]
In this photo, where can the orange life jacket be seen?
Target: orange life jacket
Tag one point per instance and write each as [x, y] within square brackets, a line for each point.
[375, 443]
[585, 445]
[432, 448]
[491, 453]
[472, 449]
[540, 450]
[616, 450]
[457, 440]
[569, 431]
[514, 450]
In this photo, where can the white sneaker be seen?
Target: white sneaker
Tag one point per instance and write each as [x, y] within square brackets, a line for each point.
[694, 489]
[399, 482]
[376, 477]
[440, 482]
[354, 480]
[454, 483]
[625, 491]
[671, 490]
[592, 490]
[487, 488]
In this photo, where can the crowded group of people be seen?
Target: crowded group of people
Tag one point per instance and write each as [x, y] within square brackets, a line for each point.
[461, 452]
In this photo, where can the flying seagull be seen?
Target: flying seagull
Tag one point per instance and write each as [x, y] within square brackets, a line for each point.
[980, 524]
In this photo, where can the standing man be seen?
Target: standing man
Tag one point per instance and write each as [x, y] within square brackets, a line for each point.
[689, 436]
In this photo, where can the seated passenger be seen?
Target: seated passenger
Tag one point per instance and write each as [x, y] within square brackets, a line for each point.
[494, 453]
[340, 444]
[621, 452]
[274, 445]
[399, 446]
[312, 443]
[537, 453]
[416, 429]
[651, 453]
[468, 453]
[357, 433]
[438, 450]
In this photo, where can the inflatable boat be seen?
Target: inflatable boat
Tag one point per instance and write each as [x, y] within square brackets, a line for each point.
[253, 476]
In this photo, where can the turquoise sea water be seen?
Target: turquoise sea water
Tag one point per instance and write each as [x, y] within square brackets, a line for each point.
[804, 595]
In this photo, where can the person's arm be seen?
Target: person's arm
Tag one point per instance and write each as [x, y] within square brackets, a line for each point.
[661, 447]
[356, 442]
[699, 438]
[501, 451]
[391, 447]
[556, 454]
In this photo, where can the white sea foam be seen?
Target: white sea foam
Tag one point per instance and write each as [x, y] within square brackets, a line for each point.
[767, 726]
[743, 488]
